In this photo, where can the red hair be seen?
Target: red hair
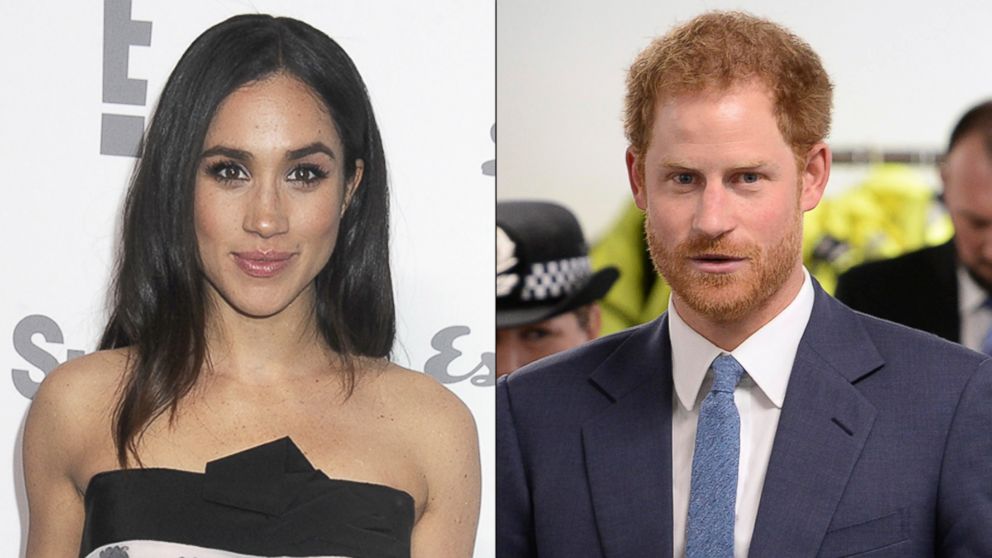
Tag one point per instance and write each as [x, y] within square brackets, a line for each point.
[717, 50]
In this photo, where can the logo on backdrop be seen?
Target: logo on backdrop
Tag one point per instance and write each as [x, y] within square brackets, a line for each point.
[120, 134]
[443, 341]
[439, 365]
[24, 332]
[489, 167]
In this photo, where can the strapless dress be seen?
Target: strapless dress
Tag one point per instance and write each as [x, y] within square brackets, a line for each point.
[267, 501]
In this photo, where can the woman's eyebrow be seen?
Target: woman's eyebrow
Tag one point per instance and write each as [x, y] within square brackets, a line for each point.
[242, 155]
[238, 154]
[315, 147]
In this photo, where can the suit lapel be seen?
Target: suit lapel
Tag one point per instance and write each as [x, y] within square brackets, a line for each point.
[628, 447]
[821, 433]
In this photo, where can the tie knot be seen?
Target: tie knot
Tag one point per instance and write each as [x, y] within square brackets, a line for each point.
[726, 373]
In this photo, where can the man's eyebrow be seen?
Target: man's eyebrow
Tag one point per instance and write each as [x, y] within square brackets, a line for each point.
[756, 165]
[688, 166]
[238, 154]
[675, 165]
[315, 147]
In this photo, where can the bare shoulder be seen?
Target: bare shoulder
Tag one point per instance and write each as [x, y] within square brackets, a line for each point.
[83, 385]
[66, 426]
[436, 424]
[443, 436]
[421, 398]
[74, 402]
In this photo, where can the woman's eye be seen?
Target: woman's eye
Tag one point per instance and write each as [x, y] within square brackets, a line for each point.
[307, 174]
[228, 172]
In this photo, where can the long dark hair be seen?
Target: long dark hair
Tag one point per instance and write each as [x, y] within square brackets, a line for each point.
[159, 303]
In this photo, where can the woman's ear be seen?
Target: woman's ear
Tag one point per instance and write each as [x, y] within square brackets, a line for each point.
[353, 184]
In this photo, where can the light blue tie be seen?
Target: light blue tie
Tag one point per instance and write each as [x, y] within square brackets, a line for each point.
[713, 492]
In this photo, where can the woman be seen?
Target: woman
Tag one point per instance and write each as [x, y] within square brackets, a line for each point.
[247, 347]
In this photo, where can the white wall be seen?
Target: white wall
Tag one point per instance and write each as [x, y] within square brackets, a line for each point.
[430, 69]
[904, 71]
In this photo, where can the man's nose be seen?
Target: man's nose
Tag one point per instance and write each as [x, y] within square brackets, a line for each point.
[713, 212]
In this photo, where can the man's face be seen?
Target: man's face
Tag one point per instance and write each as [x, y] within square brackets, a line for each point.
[967, 175]
[724, 199]
[517, 346]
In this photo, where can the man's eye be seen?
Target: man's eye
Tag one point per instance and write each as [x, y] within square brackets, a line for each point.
[978, 223]
[535, 334]
[683, 178]
[749, 177]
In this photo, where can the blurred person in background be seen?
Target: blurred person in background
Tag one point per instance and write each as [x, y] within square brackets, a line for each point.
[546, 292]
[943, 289]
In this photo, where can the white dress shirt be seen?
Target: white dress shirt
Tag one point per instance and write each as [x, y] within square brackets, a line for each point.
[767, 357]
[976, 318]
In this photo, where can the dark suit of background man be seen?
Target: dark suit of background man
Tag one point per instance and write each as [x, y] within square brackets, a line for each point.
[943, 289]
[855, 435]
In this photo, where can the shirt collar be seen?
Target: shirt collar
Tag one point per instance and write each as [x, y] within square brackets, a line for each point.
[971, 296]
[767, 355]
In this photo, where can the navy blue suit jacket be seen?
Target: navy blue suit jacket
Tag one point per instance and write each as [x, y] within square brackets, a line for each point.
[883, 448]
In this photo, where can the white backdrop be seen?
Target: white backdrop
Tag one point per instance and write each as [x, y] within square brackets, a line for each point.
[429, 67]
[903, 70]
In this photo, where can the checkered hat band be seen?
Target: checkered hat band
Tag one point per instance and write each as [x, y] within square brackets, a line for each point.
[555, 278]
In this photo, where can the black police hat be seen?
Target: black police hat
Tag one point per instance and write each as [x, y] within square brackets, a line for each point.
[542, 264]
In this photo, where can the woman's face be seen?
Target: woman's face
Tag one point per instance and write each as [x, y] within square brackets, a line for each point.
[269, 195]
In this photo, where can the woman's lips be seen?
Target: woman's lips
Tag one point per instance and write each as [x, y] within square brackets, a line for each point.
[262, 264]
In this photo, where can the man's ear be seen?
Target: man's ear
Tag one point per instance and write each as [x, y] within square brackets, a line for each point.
[815, 176]
[353, 184]
[595, 321]
[635, 168]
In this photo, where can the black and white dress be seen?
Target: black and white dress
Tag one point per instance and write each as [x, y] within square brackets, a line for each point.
[267, 501]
